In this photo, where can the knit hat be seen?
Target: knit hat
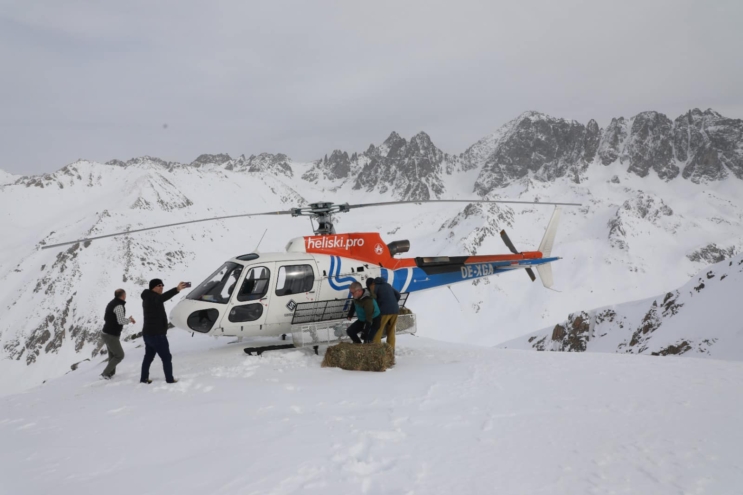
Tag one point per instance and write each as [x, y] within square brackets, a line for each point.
[155, 282]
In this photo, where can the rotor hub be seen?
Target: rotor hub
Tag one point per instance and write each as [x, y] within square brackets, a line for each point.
[322, 214]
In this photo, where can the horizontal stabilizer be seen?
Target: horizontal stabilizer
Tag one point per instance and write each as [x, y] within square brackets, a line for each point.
[545, 274]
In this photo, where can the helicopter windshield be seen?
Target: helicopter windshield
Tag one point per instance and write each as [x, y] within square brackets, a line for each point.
[219, 286]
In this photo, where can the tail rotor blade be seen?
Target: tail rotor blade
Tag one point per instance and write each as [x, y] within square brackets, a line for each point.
[508, 242]
[530, 272]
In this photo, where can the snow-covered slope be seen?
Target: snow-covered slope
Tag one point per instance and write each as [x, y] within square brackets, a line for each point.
[634, 237]
[700, 319]
[446, 419]
[6, 178]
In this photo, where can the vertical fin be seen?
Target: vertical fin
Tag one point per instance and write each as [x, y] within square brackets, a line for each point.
[545, 247]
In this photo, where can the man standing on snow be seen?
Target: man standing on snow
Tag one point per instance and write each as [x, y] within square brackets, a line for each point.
[155, 329]
[387, 300]
[367, 312]
[114, 320]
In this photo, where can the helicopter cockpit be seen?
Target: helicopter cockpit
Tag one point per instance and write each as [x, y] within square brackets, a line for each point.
[237, 293]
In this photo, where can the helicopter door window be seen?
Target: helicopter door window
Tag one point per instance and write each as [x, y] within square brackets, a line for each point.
[219, 286]
[294, 279]
[255, 285]
[247, 312]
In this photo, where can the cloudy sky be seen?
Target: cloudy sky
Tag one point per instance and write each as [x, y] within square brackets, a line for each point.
[99, 80]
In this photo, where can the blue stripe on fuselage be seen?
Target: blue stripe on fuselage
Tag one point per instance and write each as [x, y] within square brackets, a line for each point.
[422, 281]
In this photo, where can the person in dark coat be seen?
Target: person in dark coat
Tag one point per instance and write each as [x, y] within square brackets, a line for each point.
[366, 310]
[114, 320]
[155, 328]
[387, 299]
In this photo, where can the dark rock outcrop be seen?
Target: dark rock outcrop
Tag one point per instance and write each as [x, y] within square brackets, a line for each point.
[698, 146]
[540, 145]
[218, 159]
[710, 254]
[411, 170]
[573, 334]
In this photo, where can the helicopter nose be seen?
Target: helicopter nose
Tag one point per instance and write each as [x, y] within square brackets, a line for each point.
[195, 316]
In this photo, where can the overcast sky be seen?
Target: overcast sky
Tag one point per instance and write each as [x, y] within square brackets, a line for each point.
[98, 80]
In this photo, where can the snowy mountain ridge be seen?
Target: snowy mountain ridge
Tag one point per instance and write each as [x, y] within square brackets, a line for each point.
[700, 319]
[698, 146]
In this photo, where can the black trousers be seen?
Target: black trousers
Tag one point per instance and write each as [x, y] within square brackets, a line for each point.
[359, 327]
[157, 345]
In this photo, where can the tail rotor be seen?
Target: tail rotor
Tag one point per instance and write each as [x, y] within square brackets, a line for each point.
[513, 249]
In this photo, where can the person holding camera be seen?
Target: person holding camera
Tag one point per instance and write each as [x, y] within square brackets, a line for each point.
[114, 320]
[155, 328]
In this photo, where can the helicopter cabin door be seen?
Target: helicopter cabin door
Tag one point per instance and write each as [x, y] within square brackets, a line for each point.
[249, 296]
[296, 281]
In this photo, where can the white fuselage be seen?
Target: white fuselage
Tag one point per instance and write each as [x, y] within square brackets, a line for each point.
[245, 308]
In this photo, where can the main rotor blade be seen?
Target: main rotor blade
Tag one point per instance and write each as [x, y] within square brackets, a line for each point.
[530, 272]
[88, 239]
[508, 242]
[387, 203]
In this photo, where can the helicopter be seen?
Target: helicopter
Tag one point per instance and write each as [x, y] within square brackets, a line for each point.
[257, 294]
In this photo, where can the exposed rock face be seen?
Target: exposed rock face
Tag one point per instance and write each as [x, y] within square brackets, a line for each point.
[699, 146]
[410, 170]
[78, 172]
[546, 147]
[612, 141]
[219, 159]
[642, 207]
[480, 222]
[277, 164]
[337, 166]
[649, 146]
[710, 144]
[573, 334]
[711, 254]
[152, 161]
[688, 321]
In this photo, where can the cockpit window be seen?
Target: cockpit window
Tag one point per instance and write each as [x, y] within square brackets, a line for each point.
[219, 286]
[255, 285]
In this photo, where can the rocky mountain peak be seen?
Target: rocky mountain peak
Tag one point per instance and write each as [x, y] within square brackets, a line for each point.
[423, 144]
[147, 161]
[536, 144]
[270, 163]
[393, 139]
[649, 146]
[393, 146]
[218, 159]
[699, 146]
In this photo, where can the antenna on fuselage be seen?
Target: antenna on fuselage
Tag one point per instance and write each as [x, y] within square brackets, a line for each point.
[259, 242]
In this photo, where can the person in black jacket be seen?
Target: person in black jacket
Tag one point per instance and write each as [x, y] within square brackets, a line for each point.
[387, 298]
[155, 328]
[114, 320]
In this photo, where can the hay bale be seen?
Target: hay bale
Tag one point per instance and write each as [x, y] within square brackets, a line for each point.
[359, 357]
[404, 323]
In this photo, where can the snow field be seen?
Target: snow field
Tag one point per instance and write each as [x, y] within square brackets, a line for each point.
[448, 418]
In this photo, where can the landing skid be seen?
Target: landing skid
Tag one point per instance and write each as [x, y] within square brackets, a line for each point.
[260, 350]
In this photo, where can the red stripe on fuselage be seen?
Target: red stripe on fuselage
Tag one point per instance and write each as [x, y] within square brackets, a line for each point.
[368, 247]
